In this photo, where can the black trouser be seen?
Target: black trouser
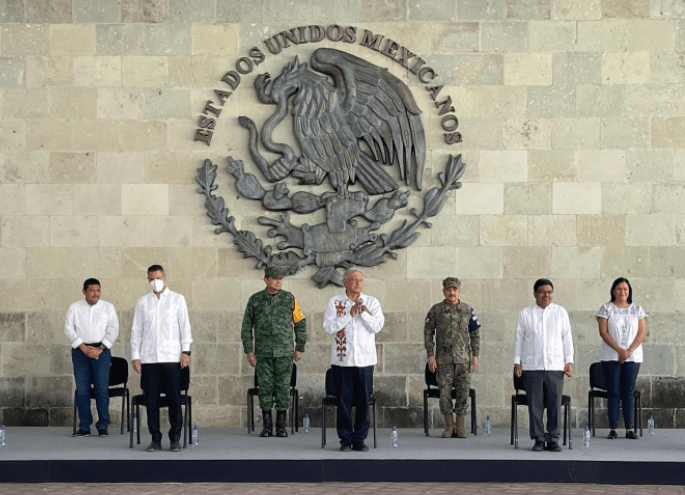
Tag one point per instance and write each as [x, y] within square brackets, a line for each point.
[544, 390]
[353, 386]
[163, 377]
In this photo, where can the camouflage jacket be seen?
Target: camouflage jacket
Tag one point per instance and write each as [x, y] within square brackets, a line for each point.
[456, 332]
[272, 318]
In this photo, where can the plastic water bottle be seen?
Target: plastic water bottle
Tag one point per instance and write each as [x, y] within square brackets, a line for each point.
[195, 439]
[305, 423]
[586, 438]
[650, 425]
[3, 436]
[393, 437]
[488, 425]
[135, 423]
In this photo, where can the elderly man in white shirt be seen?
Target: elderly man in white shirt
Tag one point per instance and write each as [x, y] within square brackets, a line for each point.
[543, 354]
[92, 327]
[160, 347]
[353, 319]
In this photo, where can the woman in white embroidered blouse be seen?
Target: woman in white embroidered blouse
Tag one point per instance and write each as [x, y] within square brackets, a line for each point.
[622, 326]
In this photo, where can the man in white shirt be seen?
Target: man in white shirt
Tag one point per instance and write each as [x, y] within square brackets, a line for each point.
[353, 319]
[160, 347]
[92, 327]
[543, 354]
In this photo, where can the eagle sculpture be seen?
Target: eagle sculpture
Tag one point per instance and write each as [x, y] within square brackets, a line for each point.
[345, 126]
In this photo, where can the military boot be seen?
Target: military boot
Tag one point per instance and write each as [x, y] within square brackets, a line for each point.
[460, 428]
[280, 424]
[267, 431]
[449, 426]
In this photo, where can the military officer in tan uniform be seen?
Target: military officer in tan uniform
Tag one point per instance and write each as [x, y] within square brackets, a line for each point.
[454, 327]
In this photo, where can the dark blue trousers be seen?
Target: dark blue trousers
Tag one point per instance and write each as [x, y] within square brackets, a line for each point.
[621, 386]
[353, 386]
[95, 371]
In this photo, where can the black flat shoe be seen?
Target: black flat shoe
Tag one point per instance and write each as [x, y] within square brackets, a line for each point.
[612, 435]
[632, 435]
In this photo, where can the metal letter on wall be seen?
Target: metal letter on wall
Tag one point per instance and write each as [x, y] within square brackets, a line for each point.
[351, 120]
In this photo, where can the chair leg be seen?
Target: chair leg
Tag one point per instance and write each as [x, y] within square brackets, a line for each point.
[130, 436]
[516, 427]
[74, 426]
[138, 414]
[123, 407]
[565, 422]
[185, 425]
[293, 407]
[513, 405]
[570, 440]
[425, 413]
[128, 410]
[375, 425]
[323, 423]
[474, 415]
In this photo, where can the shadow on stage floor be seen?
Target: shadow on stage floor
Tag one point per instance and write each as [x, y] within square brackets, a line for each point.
[43, 455]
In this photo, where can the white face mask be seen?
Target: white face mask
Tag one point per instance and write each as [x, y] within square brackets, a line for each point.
[157, 284]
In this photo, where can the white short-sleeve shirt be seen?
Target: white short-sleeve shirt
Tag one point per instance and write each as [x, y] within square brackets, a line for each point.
[622, 325]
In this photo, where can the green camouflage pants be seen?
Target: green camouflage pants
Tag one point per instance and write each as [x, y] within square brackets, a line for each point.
[273, 375]
[455, 375]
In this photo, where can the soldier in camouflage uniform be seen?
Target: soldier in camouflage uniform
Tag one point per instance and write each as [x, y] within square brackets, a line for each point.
[273, 314]
[455, 327]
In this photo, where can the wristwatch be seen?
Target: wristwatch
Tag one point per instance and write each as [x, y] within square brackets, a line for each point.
[187, 353]
[103, 347]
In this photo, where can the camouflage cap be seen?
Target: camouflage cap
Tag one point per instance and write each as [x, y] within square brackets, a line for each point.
[451, 282]
[273, 272]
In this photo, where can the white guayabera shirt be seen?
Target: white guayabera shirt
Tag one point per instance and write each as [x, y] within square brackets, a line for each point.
[91, 324]
[622, 324]
[543, 339]
[161, 328]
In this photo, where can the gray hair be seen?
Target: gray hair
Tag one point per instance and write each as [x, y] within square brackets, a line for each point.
[349, 272]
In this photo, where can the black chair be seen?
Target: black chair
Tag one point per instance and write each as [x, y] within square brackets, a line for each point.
[294, 408]
[520, 399]
[186, 403]
[598, 390]
[331, 400]
[118, 379]
[434, 393]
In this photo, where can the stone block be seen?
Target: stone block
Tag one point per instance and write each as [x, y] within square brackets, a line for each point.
[19, 359]
[11, 72]
[103, 71]
[25, 417]
[398, 298]
[239, 12]
[500, 102]
[74, 103]
[650, 99]
[528, 9]
[426, 10]
[72, 39]
[480, 199]
[527, 199]
[551, 166]
[168, 39]
[650, 230]
[552, 230]
[618, 261]
[503, 166]
[657, 294]
[232, 389]
[22, 168]
[12, 392]
[315, 360]
[444, 232]
[69, 231]
[403, 359]
[169, 168]
[625, 133]
[23, 103]
[394, 328]
[667, 9]
[626, 68]
[454, 37]
[193, 71]
[167, 104]
[216, 39]
[97, 11]
[528, 69]
[213, 294]
[192, 11]
[145, 199]
[152, 11]
[146, 71]
[12, 263]
[216, 359]
[572, 262]
[20, 40]
[667, 132]
[120, 168]
[120, 39]
[48, 11]
[143, 136]
[49, 263]
[71, 168]
[601, 230]
[649, 35]
[12, 11]
[576, 9]
[430, 262]
[169, 231]
[483, 134]
[12, 199]
[127, 231]
[205, 390]
[97, 199]
[57, 391]
[48, 71]
[99, 262]
[504, 37]
[667, 198]
[534, 134]
[528, 262]
[659, 361]
[12, 327]
[666, 262]
[25, 231]
[47, 327]
[120, 104]
[546, 36]
[576, 198]
[205, 326]
[600, 101]
[600, 165]
[488, 10]
[504, 230]
[49, 135]
[577, 68]
[479, 262]
[551, 101]
[618, 199]
[479, 69]
[622, 9]
[584, 326]
[197, 262]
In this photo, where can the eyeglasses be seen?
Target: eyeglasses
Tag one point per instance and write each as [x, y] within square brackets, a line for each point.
[545, 292]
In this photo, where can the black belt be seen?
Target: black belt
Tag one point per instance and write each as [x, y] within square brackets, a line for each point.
[97, 344]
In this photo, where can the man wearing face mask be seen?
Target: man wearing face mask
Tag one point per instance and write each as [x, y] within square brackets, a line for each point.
[160, 347]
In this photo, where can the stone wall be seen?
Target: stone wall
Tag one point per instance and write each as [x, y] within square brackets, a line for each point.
[573, 122]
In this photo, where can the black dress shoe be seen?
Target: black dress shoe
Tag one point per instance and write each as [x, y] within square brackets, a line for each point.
[102, 432]
[346, 448]
[175, 447]
[612, 435]
[553, 447]
[360, 447]
[538, 447]
[632, 435]
[154, 446]
[81, 433]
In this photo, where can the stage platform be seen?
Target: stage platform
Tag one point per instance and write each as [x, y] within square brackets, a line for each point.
[44, 455]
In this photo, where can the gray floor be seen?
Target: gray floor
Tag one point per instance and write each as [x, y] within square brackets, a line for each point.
[25, 443]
